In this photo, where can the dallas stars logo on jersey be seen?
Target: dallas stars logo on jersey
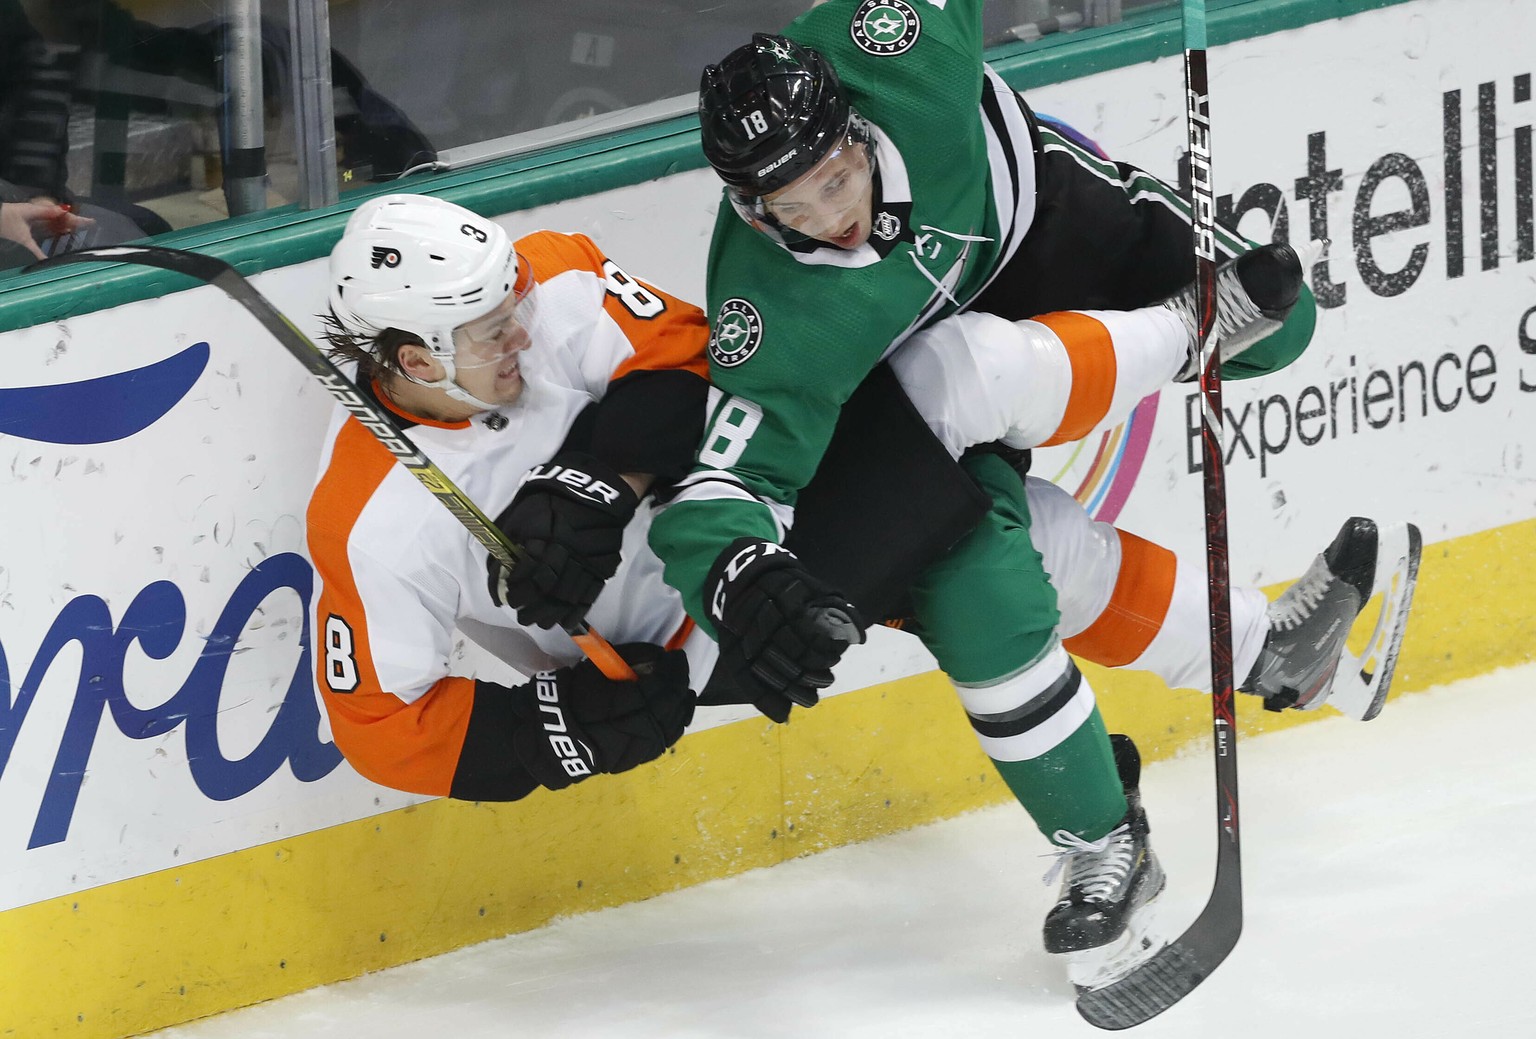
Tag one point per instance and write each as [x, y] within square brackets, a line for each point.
[885, 27]
[738, 331]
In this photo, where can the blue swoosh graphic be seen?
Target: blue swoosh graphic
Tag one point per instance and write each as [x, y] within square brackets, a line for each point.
[98, 411]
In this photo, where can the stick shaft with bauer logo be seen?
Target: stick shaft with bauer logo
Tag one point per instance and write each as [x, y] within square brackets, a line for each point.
[1175, 970]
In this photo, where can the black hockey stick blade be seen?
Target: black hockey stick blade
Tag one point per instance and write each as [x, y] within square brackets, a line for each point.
[193, 265]
[1171, 974]
[376, 420]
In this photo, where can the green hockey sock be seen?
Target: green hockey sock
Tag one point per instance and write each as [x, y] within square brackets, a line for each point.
[1074, 786]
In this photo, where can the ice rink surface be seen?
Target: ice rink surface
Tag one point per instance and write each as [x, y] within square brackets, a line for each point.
[1387, 871]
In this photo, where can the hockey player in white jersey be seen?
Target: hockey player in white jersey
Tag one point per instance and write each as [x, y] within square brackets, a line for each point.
[552, 389]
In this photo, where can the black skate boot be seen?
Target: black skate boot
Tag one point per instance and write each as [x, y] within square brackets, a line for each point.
[1255, 293]
[1304, 662]
[1103, 920]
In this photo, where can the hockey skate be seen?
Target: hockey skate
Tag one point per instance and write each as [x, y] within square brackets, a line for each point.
[1304, 662]
[1254, 292]
[1104, 921]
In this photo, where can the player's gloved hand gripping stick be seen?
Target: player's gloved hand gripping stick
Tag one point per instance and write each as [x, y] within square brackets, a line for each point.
[374, 418]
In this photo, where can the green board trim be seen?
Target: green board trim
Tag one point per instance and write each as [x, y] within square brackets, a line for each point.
[1147, 36]
[287, 235]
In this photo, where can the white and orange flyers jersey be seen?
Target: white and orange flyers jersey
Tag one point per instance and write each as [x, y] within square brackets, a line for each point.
[400, 579]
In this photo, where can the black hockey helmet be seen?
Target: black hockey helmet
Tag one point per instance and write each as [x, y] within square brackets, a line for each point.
[768, 112]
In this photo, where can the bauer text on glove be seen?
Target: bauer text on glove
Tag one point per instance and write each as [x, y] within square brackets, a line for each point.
[568, 518]
[573, 723]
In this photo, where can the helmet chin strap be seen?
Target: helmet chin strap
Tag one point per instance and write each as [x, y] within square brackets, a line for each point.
[449, 383]
[459, 393]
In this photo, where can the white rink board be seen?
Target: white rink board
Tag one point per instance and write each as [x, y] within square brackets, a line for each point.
[182, 511]
[157, 531]
[1332, 102]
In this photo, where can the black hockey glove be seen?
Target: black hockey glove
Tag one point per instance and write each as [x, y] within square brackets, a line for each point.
[573, 723]
[569, 517]
[780, 629]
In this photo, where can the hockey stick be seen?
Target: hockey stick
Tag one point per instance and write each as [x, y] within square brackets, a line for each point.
[1174, 971]
[375, 419]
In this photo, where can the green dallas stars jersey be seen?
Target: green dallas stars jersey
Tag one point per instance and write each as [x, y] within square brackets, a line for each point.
[797, 328]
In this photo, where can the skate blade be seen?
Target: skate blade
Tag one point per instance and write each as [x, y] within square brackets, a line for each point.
[1309, 253]
[1361, 685]
[1143, 938]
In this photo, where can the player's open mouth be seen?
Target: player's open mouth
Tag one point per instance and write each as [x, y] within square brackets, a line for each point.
[508, 372]
[849, 238]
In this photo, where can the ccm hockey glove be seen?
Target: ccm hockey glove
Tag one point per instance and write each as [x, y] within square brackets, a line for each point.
[573, 723]
[568, 517]
[780, 629]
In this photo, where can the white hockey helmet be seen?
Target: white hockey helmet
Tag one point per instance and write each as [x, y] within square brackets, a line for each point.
[422, 265]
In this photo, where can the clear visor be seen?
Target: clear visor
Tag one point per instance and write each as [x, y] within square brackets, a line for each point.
[825, 201]
[494, 338]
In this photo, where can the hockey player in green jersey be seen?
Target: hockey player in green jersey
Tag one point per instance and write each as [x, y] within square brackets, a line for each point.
[883, 180]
